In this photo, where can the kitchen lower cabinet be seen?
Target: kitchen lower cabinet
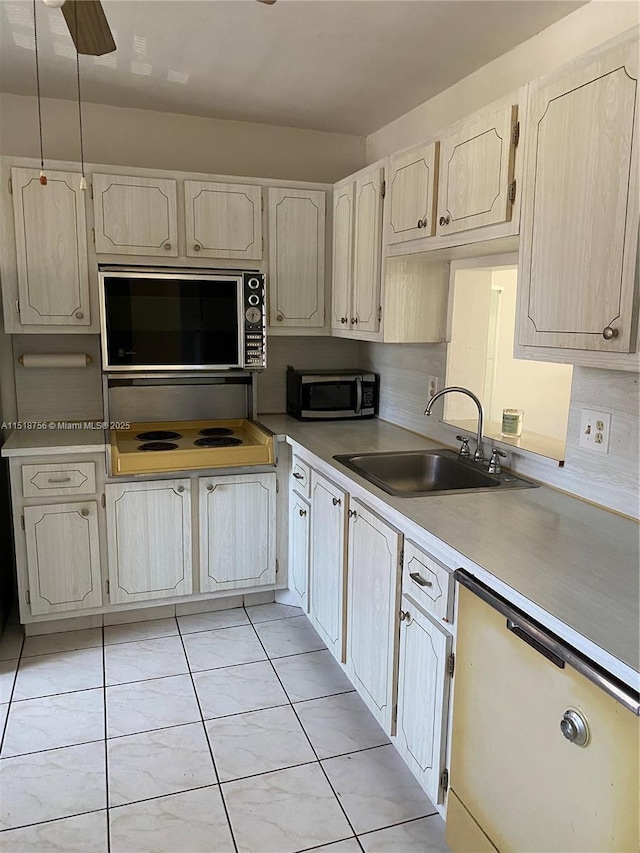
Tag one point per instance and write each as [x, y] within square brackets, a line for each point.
[237, 531]
[328, 562]
[149, 540]
[423, 697]
[299, 529]
[63, 557]
[373, 595]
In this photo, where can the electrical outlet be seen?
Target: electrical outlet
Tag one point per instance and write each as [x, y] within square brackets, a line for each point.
[595, 428]
[434, 386]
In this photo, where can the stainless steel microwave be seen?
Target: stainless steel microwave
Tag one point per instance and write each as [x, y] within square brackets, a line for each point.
[332, 394]
[175, 319]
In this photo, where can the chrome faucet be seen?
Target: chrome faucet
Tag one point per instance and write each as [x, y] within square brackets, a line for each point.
[478, 456]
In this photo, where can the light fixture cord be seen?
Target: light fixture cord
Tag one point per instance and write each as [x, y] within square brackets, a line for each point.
[83, 182]
[35, 39]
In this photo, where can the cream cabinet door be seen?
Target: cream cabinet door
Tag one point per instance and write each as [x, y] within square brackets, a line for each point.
[296, 258]
[135, 215]
[367, 250]
[328, 562]
[149, 540]
[51, 246]
[223, 220]
[63, 557]
[579, 236]
[423, 697]
[373, 600]
[299, 521]
[237, 531]
[342, 256]
[476, 170]
[412, 184]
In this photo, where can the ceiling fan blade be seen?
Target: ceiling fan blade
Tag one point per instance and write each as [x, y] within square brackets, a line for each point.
[267, 2]
[88, 26]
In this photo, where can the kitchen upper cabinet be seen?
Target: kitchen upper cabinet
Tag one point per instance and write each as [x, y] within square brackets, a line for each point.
[580, 217]
[223, 220]
[328, 562]
[299, 528]
[135, 215]
[412, 185]
[237, 531]
[342, 255]
[149, 540]
[51, 247]
[423, 697]
[367, 251]
[63, 557]
[477, 159]
[373, 599]
[296, 258]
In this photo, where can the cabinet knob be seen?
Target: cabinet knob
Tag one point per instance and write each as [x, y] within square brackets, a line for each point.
[80, 315]
[84, 511]
[574, 727]
[354, 321]
[336, 501]
[405, 616]
[197, 247]
[302, 512]
[167, 246]
[279, 317]
[444, 220]
[608, 333]
[343, 319]
[181, 488]
[420, 223]
[209, 487]
[352, 513]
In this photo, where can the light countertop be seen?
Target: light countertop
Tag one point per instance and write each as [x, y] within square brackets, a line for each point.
[47, 442]
[577, 562]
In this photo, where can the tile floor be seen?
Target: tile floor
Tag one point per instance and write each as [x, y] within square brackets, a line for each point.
[226, 732]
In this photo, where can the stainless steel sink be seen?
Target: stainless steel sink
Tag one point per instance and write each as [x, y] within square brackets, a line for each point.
[411, 473]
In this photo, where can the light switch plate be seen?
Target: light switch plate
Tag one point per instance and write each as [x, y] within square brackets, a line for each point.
[595, 429]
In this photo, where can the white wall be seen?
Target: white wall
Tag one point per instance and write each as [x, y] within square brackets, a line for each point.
[588, 27]
[128, 137]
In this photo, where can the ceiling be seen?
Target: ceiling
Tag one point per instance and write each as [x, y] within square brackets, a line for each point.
[349, 66]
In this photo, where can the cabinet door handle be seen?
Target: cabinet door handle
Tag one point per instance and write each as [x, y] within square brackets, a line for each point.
[417, 578]
[343, 320]
[352, 513]
[420, 223]
[336, 501]
[298, 476]
[209, 488]
[197, 247]
[405, 616]
[59, 480]
[79, 315]
[279, 317]
[302, 512]
[354, 321]
[181, 488]
[167, 247]
[608, 333]
[444, 220]
[84, 511]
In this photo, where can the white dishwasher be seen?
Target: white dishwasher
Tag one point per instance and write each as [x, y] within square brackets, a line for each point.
[545, 748]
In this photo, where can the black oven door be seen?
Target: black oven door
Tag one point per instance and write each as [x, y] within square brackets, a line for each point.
[158, 321]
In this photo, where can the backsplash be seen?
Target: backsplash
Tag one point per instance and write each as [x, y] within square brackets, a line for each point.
[611, 480]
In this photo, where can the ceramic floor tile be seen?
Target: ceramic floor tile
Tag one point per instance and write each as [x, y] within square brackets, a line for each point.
[130, 632]
[85, 833]
[212, 619]
[349, 845]
[54, 721]
[224, 647]
[258, 742]
[66, 641]
[284, 812]
[291, 636]
[7, 677]
[194, 821]
[339, 724]
[238, 688]
[269, 612]
[4, 710]
[377, 789]
[11, 642]
[311, 676]
[155, 704]
[62, 672]
[58, 783]
[418, 836]
[156, 763]
[144, 659]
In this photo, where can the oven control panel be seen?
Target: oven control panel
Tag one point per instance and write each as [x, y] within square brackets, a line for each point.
[255, 320]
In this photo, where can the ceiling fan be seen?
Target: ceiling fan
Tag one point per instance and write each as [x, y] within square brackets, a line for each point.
[89, 27]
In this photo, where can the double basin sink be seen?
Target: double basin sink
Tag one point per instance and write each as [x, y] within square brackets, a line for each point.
[413, 473]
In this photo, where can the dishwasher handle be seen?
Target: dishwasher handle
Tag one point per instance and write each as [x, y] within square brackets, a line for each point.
[551, 646]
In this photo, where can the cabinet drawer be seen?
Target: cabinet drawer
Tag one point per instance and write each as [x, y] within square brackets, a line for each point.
[301, 477]
[428, 582]
[61, 478]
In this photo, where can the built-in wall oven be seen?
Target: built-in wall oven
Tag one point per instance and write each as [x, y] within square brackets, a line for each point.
[175, 319]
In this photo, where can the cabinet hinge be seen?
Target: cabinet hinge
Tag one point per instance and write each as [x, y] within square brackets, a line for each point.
[10, 187]
[277, 486]
[261, 202]
[383, 189]
[106, 586]
[402, 557]
[444, 779]
[451, 664]
[379, 313]
[277, 566]
[28, 597]
[103, 501]
[93, 235]
[91, 191]
[17, 306]
[515, 134]
[22, 521]
[512, 191]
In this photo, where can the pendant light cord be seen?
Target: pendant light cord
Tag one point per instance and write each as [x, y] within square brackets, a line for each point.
[75, 10]
[35, 39]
